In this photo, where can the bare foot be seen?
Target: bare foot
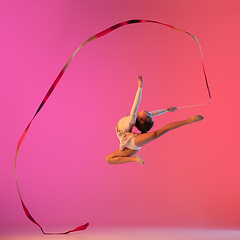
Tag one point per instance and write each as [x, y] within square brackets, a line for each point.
[195, 118]
[139, 159]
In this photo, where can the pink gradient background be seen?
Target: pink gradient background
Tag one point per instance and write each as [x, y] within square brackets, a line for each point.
[191, 177]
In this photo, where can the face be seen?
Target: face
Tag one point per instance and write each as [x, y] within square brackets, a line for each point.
[143, 115]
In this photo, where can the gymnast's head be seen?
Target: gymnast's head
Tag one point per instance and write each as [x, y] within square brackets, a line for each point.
[144, 121]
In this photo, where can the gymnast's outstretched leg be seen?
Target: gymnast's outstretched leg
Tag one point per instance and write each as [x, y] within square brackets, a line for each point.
[145, 138]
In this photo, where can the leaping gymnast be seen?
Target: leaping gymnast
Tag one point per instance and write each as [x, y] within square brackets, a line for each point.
[130, 142]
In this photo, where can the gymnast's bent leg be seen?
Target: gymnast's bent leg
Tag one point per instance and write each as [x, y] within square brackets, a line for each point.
[118, 156]
[145, 138]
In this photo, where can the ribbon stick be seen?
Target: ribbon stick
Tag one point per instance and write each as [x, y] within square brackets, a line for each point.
[98, 35]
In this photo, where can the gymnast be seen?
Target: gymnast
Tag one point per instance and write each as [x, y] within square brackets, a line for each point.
[130, 142]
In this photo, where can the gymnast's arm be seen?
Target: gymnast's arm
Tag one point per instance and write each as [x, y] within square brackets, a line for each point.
[137, 100]
[159, 112]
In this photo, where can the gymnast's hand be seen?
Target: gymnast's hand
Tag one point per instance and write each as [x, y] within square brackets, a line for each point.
[140, 81]
[172, 109]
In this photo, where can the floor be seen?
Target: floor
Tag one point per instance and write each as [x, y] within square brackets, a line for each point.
[129, 234]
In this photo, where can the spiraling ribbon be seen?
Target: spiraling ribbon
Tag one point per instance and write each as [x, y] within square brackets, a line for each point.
[98, 35]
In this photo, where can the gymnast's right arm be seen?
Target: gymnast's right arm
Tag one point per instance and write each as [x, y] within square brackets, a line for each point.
[159, 112]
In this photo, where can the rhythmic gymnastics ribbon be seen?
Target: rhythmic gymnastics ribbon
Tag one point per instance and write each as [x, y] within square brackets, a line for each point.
[98, 35]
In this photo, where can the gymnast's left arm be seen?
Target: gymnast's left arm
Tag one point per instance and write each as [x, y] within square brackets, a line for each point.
[159, 112]
[137, 100]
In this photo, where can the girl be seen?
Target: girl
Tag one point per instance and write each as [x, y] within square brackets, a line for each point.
[130, 143]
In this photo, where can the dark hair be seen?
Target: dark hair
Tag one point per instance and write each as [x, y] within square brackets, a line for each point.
[144, 125]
